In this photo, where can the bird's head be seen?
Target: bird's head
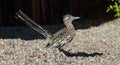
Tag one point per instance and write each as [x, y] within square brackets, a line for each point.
[69, 18]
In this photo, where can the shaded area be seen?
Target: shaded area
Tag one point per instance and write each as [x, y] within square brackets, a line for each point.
[24, 33]
[92, 14]
[19, 32]
[85, 23]
[82, 54]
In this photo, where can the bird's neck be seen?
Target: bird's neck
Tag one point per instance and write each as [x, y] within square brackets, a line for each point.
[69, 26]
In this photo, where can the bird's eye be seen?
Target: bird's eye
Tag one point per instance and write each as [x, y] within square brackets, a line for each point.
[67, 18]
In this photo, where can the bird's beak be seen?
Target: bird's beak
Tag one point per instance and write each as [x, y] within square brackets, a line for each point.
[76, 18]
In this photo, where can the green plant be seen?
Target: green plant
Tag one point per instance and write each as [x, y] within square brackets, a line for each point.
[115, 7]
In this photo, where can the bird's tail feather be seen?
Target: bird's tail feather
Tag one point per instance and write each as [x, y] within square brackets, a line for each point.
[31, 23]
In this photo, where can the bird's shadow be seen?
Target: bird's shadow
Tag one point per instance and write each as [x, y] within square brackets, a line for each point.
[81, 54]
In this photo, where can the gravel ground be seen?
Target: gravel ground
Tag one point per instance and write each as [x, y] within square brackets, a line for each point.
[94, 46]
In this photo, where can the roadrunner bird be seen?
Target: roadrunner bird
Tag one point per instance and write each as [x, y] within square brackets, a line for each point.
[58, 39]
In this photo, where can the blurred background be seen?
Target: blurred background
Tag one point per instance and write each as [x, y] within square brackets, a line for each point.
[48, 12]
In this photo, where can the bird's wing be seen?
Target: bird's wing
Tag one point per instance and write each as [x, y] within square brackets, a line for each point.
[32, 24]
[61, 38]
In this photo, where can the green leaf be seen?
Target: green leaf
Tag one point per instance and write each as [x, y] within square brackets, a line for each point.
[118, 1]
[111, 7]
[108, 9]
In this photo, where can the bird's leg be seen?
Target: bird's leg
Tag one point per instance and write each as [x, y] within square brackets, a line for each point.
[59, 50]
